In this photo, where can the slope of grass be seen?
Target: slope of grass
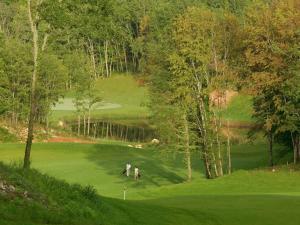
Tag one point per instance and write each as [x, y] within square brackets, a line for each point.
[120, 90]
[51, 201]
[246, 197]
[101, 165]
[239, 109]
[249, 196]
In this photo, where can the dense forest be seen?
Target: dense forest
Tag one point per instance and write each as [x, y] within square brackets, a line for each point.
[182, 49]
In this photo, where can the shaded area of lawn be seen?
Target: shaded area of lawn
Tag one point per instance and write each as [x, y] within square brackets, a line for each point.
[101, 165]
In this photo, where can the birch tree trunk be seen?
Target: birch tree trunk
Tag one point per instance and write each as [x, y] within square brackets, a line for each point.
[214, 164]
[228, 150]
[187, 148]
[89, 121]
[84, 124]
[78, 128]
[34, 31]
[220, 164]
[202, 132]
[106, 58]
[93, 60]
[125, 58]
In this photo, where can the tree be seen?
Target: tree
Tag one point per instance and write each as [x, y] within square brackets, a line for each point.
[33, 16]
[15, 78]
[194, 36]
[52, 76]
[272, 57]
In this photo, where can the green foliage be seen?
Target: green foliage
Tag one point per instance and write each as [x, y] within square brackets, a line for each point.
[15, 80]
[51, 83]
[272, 58]
[5, 136]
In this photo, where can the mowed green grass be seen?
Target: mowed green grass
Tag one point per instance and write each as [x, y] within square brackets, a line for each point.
[123, 90]
[248, 196]
[101, 165]
[240, 109]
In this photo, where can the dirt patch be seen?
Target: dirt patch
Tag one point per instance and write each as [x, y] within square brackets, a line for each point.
[221, 98]
[69, 140]
[238, 125]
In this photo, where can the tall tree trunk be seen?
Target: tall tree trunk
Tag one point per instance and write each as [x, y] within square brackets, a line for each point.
[78, 128]
[101, 64]
[220, 164]
[202, 132]
[206, 164]
[47, 123]
[126, 134]
[187, 147]
[271, 138]
[95, 130]
[89, 121]
[84, 124]
[125, 58]
[107, 130]
[106, 58]
[93, 60]
[34, 32]
[102, 130]
[296, 147]
[214, 164]
[228, 150]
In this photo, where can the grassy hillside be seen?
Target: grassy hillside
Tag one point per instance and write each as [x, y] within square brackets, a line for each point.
[101, 165]
[124, 98]
[246, 197]
[90, 187]
[239, 109]
[49, 201]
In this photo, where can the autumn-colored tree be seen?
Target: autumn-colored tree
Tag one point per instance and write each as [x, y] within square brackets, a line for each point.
[272, 57]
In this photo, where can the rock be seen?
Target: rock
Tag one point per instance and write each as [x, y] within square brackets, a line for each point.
[155, 141]
[2, 187]
[11, 188]
[44, 131]
[138, 146]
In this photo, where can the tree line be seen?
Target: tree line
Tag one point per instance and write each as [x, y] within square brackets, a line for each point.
[49, 47]
[184, 48]
[253, 47]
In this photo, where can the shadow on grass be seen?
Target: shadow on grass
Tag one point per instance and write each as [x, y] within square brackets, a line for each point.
[155, 168]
